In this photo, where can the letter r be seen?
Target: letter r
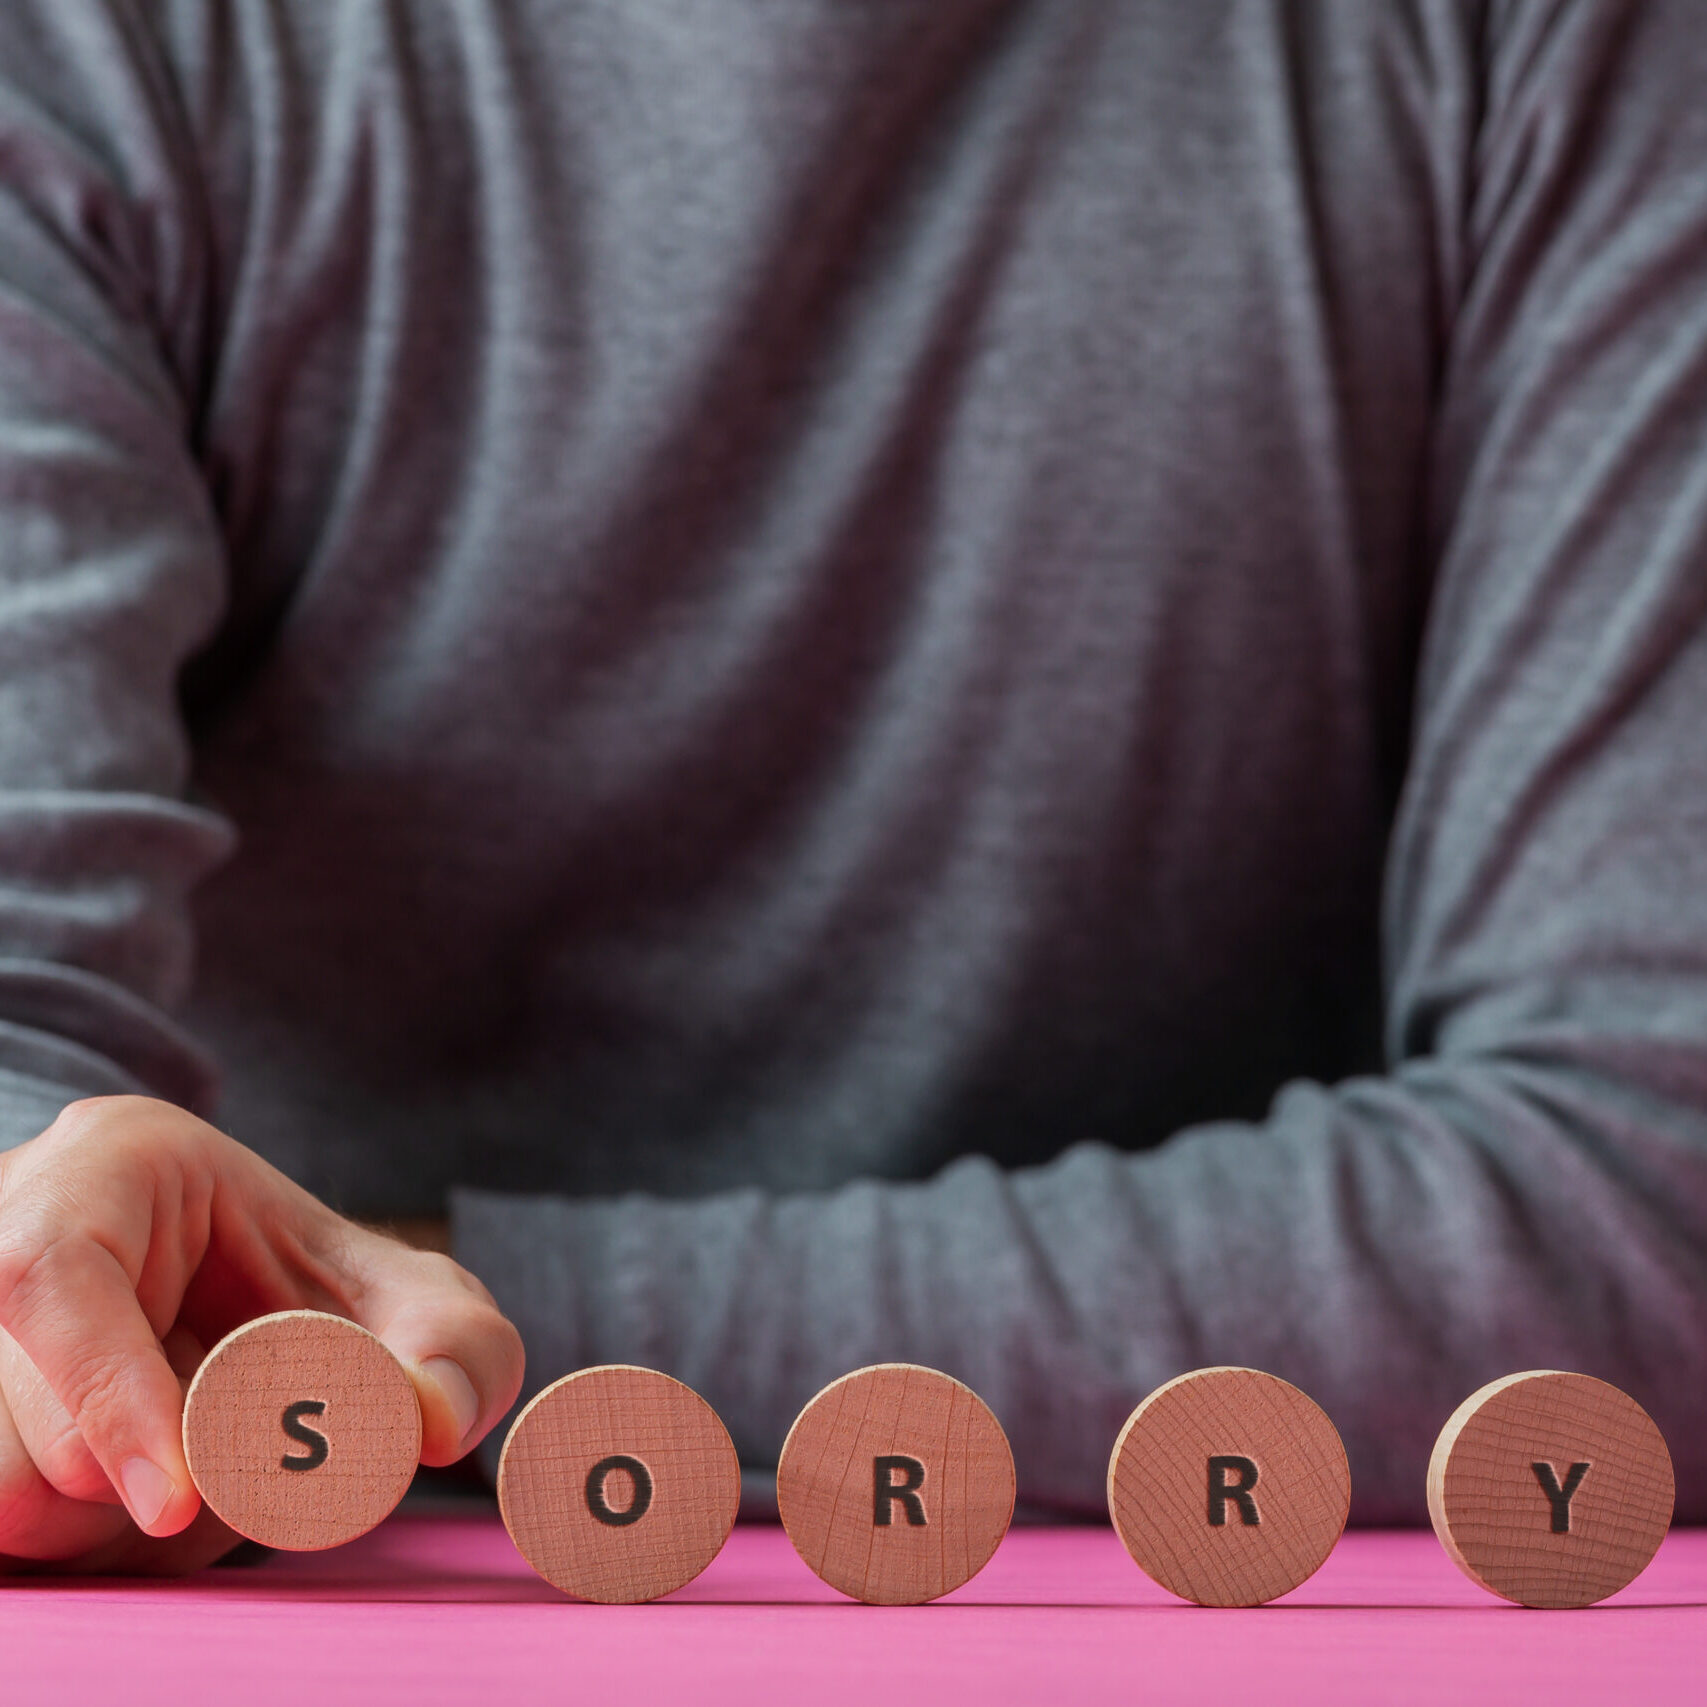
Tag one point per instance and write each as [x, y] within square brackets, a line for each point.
[886, 1490]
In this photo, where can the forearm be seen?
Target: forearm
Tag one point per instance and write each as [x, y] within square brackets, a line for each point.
[1387, 1245]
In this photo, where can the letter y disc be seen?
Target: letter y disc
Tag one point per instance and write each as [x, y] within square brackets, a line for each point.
[1550, 1489]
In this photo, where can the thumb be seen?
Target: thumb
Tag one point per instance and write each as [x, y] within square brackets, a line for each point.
[461, 1352]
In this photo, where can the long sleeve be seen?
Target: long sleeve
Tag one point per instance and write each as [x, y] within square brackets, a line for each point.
[111, 568]
[1526, 1185]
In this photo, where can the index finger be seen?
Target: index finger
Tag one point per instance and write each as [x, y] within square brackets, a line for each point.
[73, 1309]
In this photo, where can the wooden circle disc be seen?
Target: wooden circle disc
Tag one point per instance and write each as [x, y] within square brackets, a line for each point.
[301, 1430]
[1550, 1489]
[619, 1484]
[1228, 1486]
[896, 1484]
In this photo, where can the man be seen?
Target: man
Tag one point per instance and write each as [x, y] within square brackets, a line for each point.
[1012, 684]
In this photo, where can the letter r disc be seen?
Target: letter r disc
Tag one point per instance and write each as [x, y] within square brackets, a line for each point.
[896, 1484]
[1228, 1486]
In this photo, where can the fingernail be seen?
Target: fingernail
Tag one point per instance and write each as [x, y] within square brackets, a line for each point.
[146, 1489]
[459, 1393]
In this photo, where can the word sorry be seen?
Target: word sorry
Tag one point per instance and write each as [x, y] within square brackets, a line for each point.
[896, 1483]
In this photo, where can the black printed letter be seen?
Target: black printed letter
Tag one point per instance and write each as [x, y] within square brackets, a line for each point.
[637, 1506]
[1239, 1492]
[1559, 1498]
[293, 1425]
[887, 1491]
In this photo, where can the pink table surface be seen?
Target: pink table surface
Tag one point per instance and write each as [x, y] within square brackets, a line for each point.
[436, 1609]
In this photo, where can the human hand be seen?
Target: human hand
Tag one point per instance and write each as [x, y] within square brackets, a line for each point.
[133, 1236]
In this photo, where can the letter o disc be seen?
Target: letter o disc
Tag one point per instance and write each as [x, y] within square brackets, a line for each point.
[1491, 1507]
[353, 1430]
[916, 1446]
[1228, 1486]
[619, 1484]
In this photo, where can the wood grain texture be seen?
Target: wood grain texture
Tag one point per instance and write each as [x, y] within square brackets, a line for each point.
[917, 1447]
[1515, 1512]
[619, 1484]
[301, 1430]
[1228, 1486]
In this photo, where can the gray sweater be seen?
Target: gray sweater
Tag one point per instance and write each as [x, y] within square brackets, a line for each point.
[1014, 683]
